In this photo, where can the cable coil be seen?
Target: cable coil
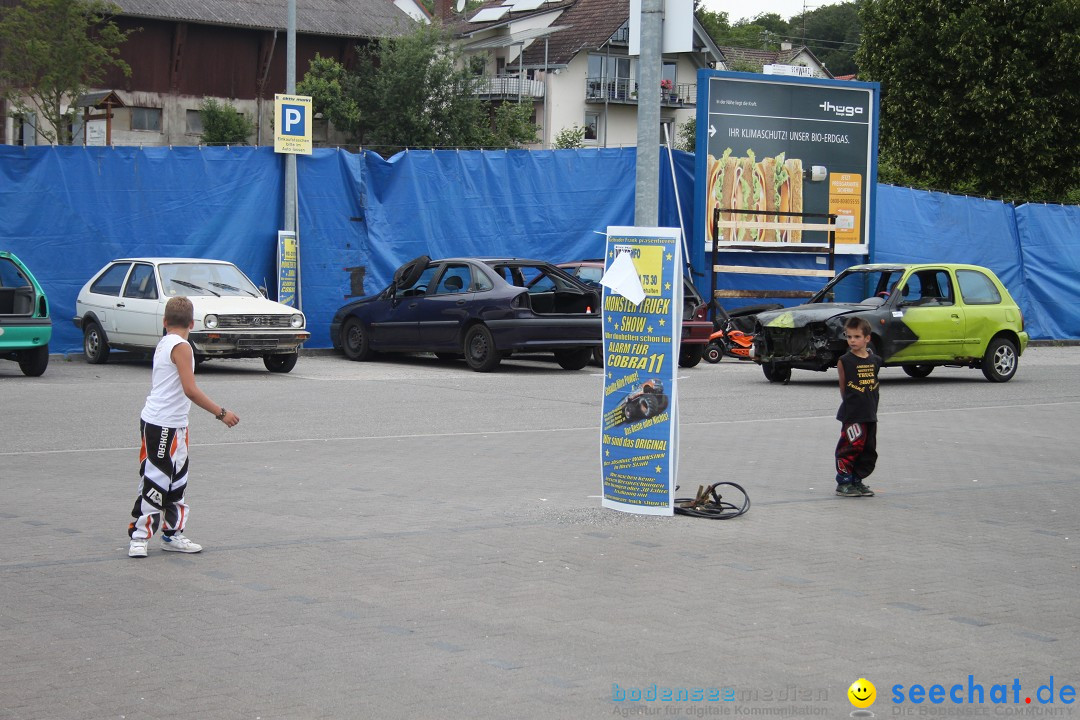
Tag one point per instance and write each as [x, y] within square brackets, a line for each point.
[709, 505]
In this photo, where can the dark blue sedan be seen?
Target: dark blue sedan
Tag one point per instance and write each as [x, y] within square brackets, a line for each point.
[480, 309]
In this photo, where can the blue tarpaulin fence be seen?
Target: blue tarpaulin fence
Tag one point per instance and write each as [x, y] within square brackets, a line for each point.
[66, 211]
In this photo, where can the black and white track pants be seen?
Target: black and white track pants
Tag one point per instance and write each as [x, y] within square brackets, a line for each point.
[163, 470]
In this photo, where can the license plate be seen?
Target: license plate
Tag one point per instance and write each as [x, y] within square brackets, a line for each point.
[256, 343]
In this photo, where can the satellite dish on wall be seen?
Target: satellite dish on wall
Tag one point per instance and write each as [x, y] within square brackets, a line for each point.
[460, 6]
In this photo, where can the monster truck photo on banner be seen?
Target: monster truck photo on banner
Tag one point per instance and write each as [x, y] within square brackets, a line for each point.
[642, 304]
[784, 144]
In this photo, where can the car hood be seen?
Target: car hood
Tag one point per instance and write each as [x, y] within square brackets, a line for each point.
[235, 305]
[803, 315]
[359, 304]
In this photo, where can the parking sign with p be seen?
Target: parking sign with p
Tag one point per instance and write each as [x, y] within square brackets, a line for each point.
[292, 124]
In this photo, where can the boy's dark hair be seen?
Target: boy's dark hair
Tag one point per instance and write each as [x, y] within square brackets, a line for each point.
[179, 312]
[858, 323]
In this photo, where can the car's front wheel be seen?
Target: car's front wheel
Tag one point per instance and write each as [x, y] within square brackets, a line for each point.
[690, 355]
[354, 340]
[776, 372]
[918, 371]
[479, 349]
[713, 353]
[95, 346]
[1000, 361]
[573, 359]
[280, 363]
[33, 362]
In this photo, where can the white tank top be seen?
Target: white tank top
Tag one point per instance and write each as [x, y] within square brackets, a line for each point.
[167, 405]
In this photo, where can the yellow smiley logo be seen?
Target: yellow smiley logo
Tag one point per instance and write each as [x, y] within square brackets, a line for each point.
[862, 693]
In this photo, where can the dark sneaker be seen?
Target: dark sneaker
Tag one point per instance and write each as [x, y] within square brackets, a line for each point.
[863, 490]
[848, 490]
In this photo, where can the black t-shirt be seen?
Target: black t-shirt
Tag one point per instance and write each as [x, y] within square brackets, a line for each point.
[861, 388]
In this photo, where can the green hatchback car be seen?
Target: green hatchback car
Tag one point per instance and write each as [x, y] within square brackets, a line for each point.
[25, 327]
[922, 316]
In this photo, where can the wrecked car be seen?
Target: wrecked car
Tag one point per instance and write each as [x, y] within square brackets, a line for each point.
[922, 316]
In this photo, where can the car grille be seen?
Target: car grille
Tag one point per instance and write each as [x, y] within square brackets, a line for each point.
[253, 321]
[786, 342]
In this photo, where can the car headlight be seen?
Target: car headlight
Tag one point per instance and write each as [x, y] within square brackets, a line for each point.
[297, 321]
[210, 322]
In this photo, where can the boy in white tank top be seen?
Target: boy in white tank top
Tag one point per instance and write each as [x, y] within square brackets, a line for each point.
[163, 458]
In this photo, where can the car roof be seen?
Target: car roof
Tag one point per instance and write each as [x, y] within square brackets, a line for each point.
[159, 260]
[916, 266]
[490, 260]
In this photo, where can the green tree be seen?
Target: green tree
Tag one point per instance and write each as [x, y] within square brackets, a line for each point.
[333, 91]
[414, 91]
[977, 97]
[223, 125]
[570, 138]
[512, 125]
[53, 51]
[686, 136]
[716, 24]
[832, 33]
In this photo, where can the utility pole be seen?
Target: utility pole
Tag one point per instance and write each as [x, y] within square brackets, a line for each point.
[646, 190]
[290, 89]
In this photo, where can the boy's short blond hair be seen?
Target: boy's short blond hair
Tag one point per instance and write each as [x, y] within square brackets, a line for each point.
[179, 312]
[858, 323]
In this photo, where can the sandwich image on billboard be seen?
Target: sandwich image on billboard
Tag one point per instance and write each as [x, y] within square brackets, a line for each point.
[745, 183]
[778, 150]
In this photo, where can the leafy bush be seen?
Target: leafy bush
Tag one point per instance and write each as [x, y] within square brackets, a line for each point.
[223, 125]
[569, 138]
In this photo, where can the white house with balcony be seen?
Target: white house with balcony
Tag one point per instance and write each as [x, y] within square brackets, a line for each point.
[571, 59]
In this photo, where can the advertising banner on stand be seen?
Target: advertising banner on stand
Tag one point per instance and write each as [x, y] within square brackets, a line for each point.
[288, 267]
[776, 147]
[642, 303]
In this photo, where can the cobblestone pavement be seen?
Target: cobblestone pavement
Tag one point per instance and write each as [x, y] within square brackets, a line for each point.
[409, 539]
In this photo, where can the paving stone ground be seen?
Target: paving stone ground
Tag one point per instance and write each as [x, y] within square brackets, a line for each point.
[409, 539]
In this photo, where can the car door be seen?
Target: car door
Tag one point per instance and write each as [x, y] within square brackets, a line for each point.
[103, 300]
[984, 310]
[142, 307]
[445, 309]
[394, 325]
[931, 312]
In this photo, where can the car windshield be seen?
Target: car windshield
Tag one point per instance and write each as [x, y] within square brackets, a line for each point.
[205, 279]
[860, 286]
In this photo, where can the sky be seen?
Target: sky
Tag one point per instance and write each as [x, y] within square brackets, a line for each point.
[739, 9]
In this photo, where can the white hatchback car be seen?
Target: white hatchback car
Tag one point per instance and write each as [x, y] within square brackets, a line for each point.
[122, 307]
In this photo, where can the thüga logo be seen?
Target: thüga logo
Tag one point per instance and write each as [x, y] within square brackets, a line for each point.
[841, 110]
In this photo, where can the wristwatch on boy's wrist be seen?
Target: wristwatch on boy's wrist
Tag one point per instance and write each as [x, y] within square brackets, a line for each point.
[221, 414]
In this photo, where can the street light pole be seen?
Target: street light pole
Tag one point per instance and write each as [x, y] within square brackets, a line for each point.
[646, 192]
[290, 89]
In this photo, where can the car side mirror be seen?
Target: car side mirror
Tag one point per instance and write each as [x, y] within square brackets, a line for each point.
[262, 290]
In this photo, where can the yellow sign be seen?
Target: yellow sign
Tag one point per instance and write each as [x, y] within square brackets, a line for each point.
[292, 124]
[845, 201]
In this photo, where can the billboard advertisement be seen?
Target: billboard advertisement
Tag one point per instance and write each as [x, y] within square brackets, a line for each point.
[781, 150]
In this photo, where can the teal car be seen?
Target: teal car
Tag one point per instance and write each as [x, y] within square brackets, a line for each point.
[25, 326]
[922, 316]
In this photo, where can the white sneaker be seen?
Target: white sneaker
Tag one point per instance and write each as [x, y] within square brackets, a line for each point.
[179, 543]
[137, 548]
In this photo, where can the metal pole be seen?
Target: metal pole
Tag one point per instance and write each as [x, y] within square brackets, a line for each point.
[290, 89]
[646, 192]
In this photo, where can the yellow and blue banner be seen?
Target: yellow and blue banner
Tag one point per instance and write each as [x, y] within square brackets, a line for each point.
[288, 268]
[642, 302]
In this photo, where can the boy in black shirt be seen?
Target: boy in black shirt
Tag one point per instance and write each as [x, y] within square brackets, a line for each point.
[856, 453]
